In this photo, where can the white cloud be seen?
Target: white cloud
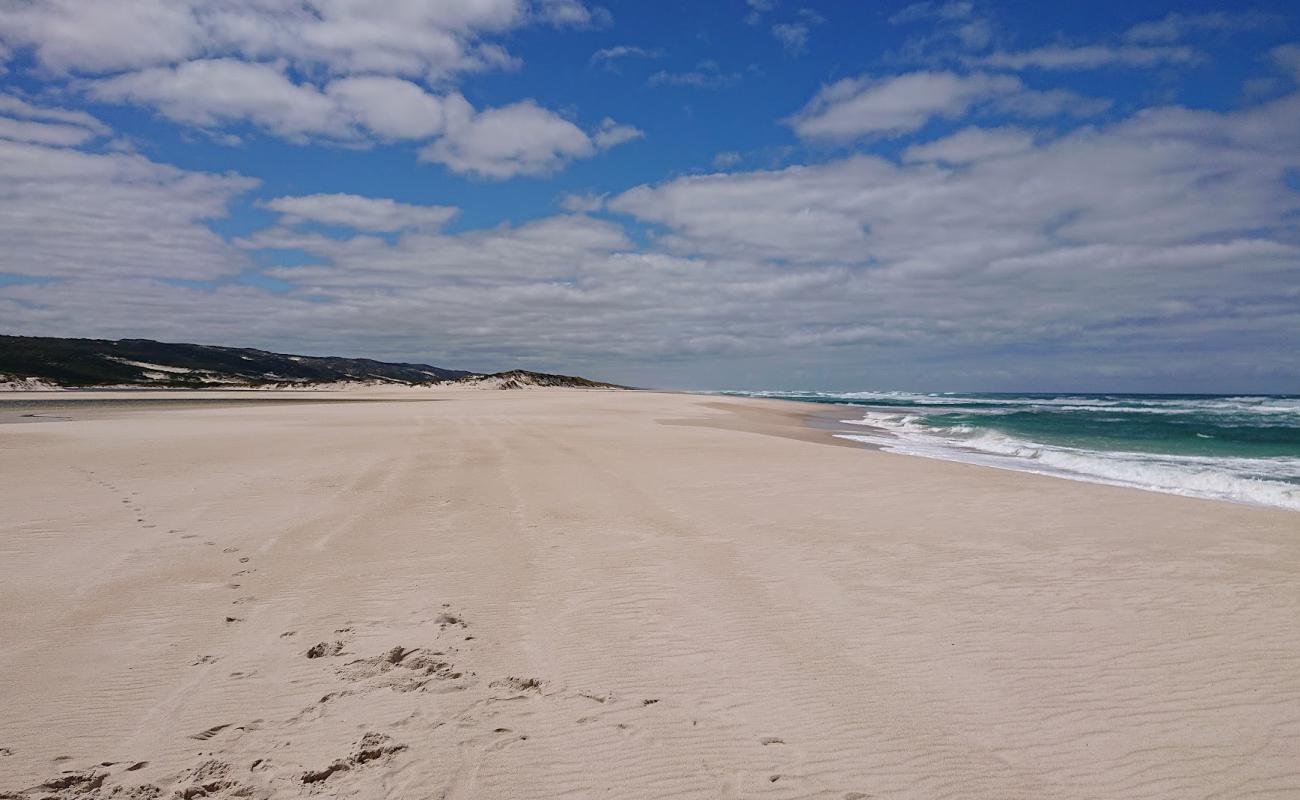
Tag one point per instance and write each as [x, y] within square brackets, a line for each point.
[1176, 26]
[854, 107]
[212, 92]
[572, 13]
[973, 144]
[1164, 176]
[411, 38]
[1126, 246]
[518, 139]
[1287, 58]
[360, 213]
[339, 71]
[952, 24]
[757, 8]
[22, 130]
[609, 57]
[917, 12]
[66, 213]
[706, 75]
[18, 107]
[611, 134]
[1089, 57]
[583, 203]
[793, 36]
[391, 108]
[726, 159]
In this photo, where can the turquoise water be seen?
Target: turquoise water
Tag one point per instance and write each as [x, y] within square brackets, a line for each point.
[1244, 448]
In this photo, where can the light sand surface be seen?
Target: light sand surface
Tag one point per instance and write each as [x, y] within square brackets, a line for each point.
[604, 594]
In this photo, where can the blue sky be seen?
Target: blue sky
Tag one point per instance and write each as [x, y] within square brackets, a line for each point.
[749, 194]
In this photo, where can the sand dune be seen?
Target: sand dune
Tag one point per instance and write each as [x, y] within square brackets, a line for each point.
[580, 594]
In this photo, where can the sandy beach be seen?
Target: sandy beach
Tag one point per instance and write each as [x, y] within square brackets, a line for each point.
[559, 594]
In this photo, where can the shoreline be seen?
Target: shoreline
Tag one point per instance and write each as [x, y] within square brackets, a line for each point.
[792, 419]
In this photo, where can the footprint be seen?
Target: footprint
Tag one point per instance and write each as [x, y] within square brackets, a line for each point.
[322, 649]
[203, 736]
[372, 747]
[520, 684]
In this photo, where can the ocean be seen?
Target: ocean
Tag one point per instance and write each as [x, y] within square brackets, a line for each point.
[1242, 448]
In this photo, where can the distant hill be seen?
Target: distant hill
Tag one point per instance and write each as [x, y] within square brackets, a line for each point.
[524, 379]
[45, 362]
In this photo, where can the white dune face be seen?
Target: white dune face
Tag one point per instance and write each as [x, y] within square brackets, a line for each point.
[640, 595]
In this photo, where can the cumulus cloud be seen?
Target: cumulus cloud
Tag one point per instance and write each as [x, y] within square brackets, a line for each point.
[518, 139]
[1101, 247]
[67, 213]
[212, 92]
[332, 71]
[1163, 176]
[391, 108]
[359, 213]
[401, 37]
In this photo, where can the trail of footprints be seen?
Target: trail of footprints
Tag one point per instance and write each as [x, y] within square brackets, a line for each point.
[433, 681]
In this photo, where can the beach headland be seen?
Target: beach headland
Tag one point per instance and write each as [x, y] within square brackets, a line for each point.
[567, 593]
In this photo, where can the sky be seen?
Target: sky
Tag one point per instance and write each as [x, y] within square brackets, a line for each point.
[762, 194]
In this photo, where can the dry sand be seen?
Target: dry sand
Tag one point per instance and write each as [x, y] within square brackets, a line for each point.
[583, 594]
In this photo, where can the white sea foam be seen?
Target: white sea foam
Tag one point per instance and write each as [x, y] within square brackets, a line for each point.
[1258, 481]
